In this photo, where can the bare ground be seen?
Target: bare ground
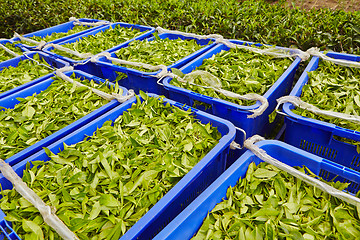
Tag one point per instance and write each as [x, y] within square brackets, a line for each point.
[347, 5]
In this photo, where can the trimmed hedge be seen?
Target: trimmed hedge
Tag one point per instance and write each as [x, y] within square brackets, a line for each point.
[250, 20]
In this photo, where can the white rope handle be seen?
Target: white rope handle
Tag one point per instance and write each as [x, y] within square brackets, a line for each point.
[49, 217]
[347, 63]
[249, 97]
[39, 45]
[76, 53]
[8, 50]
[106, 96]
[311, 108]
[91, 24]
[25, 39]
[135, 64]
[261, 153]
[276, 52]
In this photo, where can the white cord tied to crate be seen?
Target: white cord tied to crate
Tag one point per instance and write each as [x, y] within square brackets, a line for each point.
[39, 45]
[311, 108]
[214, 83]
[25, 39]
[163, 68]
[261, 153]
[212, 80]
[49, 216]
[347, 63]
[120, 98]
[64, 49]
[275, 52]
[91, 24]
[8, 50]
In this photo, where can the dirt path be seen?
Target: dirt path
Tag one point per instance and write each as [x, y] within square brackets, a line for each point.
[347, 5]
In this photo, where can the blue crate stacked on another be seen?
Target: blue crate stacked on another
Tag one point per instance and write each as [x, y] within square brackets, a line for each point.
[181, 195]
[235, 113]
[317, 136]
[10, 99]
[61, 28]
[145, 81]
[188, 222]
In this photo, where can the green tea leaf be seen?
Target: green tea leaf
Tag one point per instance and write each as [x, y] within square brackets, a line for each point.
[28, 112]
[264, 173]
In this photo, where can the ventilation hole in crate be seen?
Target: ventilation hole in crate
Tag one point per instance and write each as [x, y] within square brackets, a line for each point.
[353, 187]
[324, 174]
[6, 232]
[321, 174]
[317, 149]
[2, 231]
[333, 154]
[321, 152]
[354, 161]
[164, 224]
[301, 144]
[6, 228]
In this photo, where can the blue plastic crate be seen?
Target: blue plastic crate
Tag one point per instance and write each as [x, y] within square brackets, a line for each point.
[187, 189]
[233, 112]
[147, 31]
[317, 136]
[140, 80]
[186, 224]
[41, 84]
[26, 56]
[64, 27]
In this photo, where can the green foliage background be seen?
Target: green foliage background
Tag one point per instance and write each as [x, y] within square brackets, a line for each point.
[250, 20]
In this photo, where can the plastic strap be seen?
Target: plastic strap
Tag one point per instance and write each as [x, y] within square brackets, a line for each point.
[311, 108]
[250, 96]
[61, 48]
[347, 63]
[91, 24]
[234, 145]
[106, 96]
[37, 62]
[8, 50]
[39, 46]
[135, 64]
[49, 217]
[16, 35]
[275, 52]
[261, 153]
